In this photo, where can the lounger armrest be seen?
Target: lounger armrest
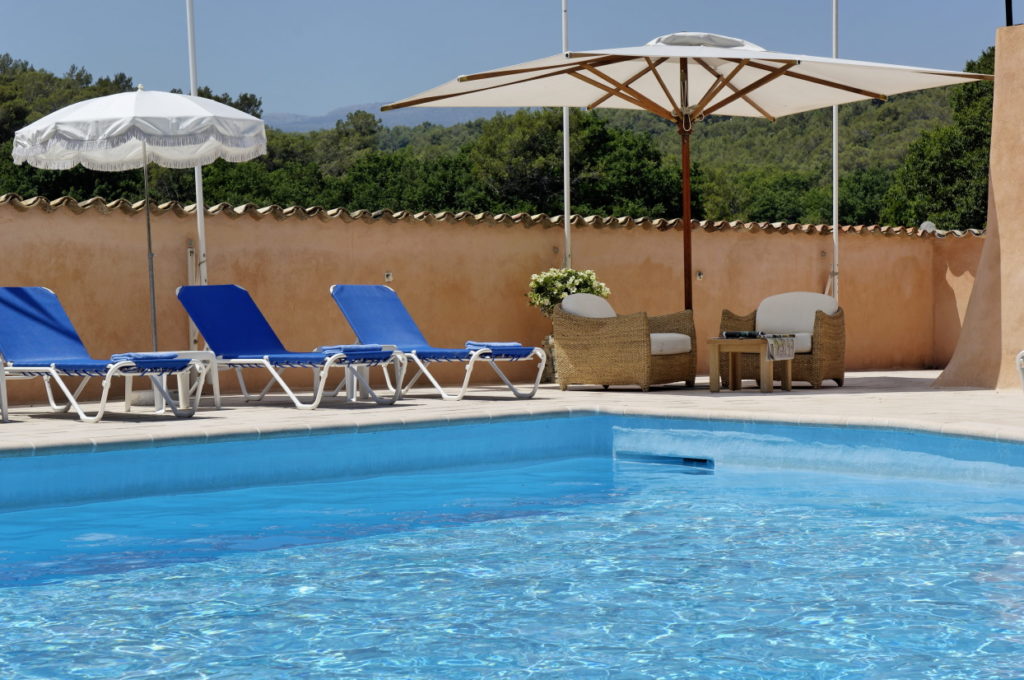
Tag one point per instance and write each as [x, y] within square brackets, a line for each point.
[736, 322]
[627, 332]
[678, 322]
[829, 333]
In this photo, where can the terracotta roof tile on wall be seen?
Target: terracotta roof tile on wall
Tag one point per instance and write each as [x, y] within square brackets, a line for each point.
[522, 219]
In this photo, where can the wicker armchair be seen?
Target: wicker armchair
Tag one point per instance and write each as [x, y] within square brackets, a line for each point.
[616, 350]
[824, 361]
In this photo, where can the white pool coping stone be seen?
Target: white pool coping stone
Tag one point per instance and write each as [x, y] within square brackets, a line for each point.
[891, 399]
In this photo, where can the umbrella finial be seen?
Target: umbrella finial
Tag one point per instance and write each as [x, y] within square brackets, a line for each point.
[696, 39]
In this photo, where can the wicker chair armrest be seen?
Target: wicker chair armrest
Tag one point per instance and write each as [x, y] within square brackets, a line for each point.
[628, 332]
[678, 322]
[736, 322]
[830, 329]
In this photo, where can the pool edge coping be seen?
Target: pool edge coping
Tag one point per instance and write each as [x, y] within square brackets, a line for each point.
[47, 446]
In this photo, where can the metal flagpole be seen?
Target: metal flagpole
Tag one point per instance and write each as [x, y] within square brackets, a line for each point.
[566, 177]
[200, 202]
[149, 245]
[834, 276]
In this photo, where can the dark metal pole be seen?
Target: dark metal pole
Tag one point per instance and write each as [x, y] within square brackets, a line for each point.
[1009, 12]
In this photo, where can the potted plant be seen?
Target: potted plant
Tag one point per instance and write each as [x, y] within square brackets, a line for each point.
[549, 288]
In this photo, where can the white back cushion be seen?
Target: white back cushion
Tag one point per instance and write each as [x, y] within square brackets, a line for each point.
[590, 306]
[792, 312]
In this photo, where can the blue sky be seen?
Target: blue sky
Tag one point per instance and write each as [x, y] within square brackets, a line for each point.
[310, 56]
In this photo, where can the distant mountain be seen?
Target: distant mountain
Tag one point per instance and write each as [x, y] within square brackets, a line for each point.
[411, 117]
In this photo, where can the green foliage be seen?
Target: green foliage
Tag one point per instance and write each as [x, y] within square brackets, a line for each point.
[944, 177]
[918, 156]
[549, 288]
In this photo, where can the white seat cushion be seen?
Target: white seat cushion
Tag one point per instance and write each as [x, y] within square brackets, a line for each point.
[792, 313]
[802, 343]
[669, 343]
[587, 305]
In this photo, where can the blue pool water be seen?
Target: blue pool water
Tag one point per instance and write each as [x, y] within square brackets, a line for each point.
[575, 562]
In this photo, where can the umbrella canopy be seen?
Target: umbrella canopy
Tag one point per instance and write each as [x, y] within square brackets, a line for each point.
[119, 131]
[683, 78]
[132, 129]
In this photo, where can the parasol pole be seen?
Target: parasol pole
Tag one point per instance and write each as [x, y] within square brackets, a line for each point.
[834, 274]
[149, 244]
[685, 127]
[200, 201]
[566, 177]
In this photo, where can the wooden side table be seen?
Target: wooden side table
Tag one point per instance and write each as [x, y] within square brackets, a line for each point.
[733, 348]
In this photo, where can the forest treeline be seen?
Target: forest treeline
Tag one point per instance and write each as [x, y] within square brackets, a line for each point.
[919, 156]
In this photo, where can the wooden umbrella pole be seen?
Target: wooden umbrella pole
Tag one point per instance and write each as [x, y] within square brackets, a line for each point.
[684, 136]
[685, 126]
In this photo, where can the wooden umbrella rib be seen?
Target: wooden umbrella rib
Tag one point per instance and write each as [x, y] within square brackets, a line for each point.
[826, 83]
[632, 79]
[619, 89]
[720, 84]
[776, 73]
[626, 96]
[570, 70]
[484, 75]
[970, 76]
[664, 88]
[750, 102]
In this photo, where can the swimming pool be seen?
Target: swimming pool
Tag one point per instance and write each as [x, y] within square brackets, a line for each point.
[526, 547]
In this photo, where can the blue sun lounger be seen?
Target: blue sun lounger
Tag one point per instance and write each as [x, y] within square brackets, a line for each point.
[240, 337]
[376, 314]
[38, 340]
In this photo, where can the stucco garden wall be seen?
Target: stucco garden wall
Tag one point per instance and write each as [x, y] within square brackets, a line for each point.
[904, 293]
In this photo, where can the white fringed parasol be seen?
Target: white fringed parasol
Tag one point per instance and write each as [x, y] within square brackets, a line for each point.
[132, 129]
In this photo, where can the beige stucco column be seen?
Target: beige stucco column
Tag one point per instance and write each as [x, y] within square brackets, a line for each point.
[993, 331]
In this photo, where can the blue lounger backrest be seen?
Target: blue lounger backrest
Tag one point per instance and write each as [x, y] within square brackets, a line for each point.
[230, 321]
[377, 316]
[35, 329]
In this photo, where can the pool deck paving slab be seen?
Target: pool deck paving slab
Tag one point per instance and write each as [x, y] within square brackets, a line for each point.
[888, 399]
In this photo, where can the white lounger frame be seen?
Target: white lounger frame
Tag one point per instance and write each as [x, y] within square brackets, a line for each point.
[483, 354]
[353, 376]
[115, 370]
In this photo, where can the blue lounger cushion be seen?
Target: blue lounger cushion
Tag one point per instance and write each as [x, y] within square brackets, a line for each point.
[38, 332]
[376, 315]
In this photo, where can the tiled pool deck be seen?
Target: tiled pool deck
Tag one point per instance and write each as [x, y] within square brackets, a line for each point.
[879, 399]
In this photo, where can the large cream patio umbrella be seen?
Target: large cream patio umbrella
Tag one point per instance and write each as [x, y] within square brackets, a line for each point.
[684, 78]
[130, 130]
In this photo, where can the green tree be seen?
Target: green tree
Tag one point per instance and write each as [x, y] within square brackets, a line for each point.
[516, 166]
[944, 177]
